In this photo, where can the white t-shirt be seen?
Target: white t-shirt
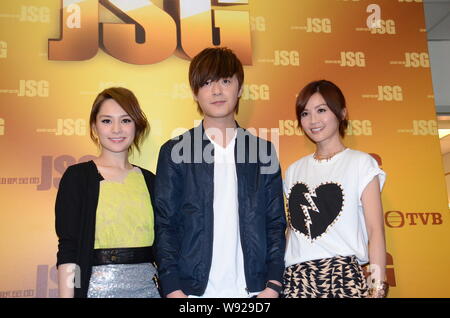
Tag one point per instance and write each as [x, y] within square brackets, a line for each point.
[226, 276]
[325, 212]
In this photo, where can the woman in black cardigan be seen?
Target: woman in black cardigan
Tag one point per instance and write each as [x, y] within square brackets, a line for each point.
[104, 214]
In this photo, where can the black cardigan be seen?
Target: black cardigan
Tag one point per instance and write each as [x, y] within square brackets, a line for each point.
[75, 212]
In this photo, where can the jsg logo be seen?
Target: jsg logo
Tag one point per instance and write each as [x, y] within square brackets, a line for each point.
[3, 50]
[425, 127]
[34, 14]
[385, 27]
[150, 34]
[258, 23]
[289, 128]
[390, 93]
[416, 60]
[181, 91]
[107, 84]
[70, 127]
[317, 25]
[33, 88]
[287, 58]
[353, 59]
[60, 164]
[256, 92]
[359, 128]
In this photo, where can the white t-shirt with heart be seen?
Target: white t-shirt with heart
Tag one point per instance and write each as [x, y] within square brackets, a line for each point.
[325, 212]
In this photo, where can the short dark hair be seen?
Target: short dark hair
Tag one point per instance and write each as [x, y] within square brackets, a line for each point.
[332, 95]
[128, 101]
[214, 64]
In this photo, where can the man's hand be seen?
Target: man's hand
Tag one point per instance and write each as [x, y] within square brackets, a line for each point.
[268, 293]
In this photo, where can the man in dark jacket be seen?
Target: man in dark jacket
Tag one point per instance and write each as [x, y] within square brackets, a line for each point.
[219, 216]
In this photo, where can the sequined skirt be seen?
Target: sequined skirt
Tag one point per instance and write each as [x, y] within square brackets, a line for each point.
[123, 281]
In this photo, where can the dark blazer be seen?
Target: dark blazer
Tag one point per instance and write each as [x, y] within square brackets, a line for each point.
[75, 212]
[184, 195]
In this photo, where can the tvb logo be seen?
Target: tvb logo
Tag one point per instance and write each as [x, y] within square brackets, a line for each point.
[50, 165]
[317, 25]
[353, 59]
[150, 34]
[398, 219]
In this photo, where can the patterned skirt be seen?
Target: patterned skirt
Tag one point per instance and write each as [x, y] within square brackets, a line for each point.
[337, 277]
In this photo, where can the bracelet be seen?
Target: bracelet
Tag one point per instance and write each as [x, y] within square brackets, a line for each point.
[378, 290]
[274, 287]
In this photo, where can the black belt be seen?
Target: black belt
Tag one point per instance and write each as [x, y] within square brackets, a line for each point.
[133, 255]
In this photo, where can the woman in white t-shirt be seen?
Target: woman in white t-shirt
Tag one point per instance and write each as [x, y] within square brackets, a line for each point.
[334, 207]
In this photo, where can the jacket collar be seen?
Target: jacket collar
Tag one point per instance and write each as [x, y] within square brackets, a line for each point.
[200, 131]
[242, 143]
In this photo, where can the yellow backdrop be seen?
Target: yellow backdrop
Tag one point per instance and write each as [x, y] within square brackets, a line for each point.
[54, 59]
